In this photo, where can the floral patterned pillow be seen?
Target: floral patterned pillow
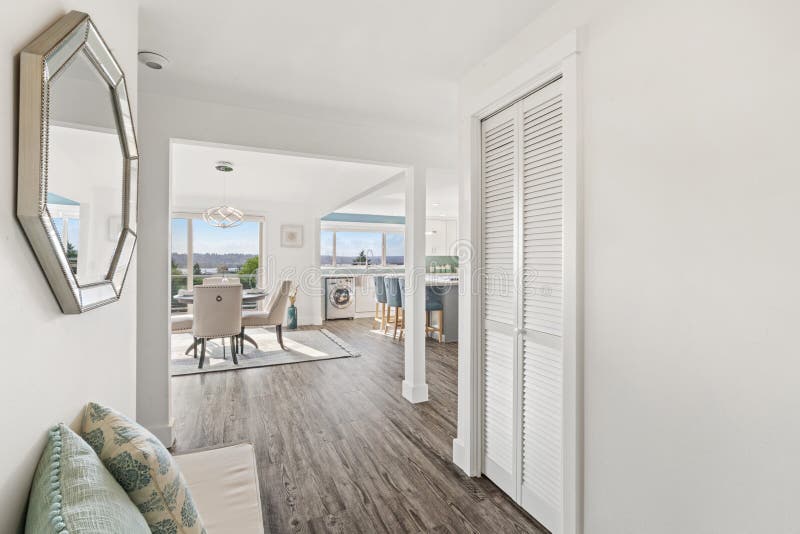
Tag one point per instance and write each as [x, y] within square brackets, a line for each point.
[144, 468]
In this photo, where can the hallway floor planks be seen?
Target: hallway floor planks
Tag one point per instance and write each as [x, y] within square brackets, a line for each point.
[339, 449]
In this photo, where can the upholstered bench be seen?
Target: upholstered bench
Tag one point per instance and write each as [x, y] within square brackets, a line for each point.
[116, 477]
[224, 484]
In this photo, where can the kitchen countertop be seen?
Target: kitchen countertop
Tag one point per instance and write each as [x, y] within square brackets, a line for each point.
[438, 279]
[350, 273]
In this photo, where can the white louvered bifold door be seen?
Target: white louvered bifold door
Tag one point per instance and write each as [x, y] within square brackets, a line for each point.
[522, 210]
[499, 181]
[542, 209]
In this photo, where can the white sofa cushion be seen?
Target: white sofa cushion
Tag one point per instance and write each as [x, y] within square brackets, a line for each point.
[224, 485]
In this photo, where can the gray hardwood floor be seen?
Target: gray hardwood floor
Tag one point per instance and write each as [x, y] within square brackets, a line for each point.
[339, 449]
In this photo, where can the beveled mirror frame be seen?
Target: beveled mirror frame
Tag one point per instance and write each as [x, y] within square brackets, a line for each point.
[40, 61]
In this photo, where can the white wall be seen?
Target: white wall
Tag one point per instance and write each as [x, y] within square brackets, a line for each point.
[691, 185]
[53, 363]
[164, 118]
[297, 264]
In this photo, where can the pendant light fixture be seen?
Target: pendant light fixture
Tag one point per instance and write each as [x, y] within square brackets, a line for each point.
[223, 216]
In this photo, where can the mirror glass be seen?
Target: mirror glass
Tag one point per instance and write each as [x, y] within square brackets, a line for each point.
[85, 168]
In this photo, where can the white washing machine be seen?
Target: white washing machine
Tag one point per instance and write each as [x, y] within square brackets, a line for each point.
[340, 298]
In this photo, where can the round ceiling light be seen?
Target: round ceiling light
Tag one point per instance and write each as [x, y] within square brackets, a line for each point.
[224, 166]
[153, 60]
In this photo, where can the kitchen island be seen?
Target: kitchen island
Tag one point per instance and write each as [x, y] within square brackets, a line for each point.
[446, 285]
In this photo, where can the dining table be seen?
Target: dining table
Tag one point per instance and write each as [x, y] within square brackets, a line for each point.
[249, 296]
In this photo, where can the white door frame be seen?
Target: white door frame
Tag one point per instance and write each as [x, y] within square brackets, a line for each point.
[560, 59]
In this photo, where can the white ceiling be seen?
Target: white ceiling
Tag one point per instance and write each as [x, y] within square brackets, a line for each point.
[441, 190]
[387, 200]
[375, 61]
[263, 180]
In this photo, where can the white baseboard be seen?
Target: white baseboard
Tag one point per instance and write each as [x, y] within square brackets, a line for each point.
[459, 456]
[415, 393]
[461, 460]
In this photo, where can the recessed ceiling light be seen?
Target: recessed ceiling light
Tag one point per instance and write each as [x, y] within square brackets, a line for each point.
[435, 204]
[224, 166]
[153, 60]
[442, 215]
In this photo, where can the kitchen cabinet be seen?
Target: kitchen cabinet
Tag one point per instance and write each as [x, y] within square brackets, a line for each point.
[365, 294]
[435, 237]
[441, 236]
[451, 237]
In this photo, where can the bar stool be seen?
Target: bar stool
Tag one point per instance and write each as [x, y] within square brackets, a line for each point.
[402, 283]
[393, 300]
[380, 301]
[434, 303]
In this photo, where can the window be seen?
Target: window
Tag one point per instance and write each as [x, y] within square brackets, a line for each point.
[200, 250]
[179, 273]
[361, 247]
[67, 222]
[395, 248]
[326, 247]
[226, 251]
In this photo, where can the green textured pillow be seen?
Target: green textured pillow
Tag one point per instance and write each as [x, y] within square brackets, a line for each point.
[73, 492]
[144, 468]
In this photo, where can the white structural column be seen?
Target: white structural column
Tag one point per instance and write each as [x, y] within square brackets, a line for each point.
[466, 445]
[415, 389]
[153, 407]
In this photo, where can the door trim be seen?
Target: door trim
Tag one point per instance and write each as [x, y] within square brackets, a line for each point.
[560, 59]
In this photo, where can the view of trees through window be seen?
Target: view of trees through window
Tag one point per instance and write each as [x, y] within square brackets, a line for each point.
[361, 247]
[358, 248]
[214, 252]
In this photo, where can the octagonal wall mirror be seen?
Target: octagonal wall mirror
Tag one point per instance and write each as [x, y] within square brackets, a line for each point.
[77, 176]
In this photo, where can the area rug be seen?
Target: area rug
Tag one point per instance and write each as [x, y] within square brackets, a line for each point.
[301, 345]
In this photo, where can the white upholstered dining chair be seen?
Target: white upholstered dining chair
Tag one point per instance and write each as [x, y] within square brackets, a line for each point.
[217, 314]
[273, 314]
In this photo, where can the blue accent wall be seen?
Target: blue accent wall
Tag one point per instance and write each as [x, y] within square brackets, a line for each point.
[53, 198]
[364, 218]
